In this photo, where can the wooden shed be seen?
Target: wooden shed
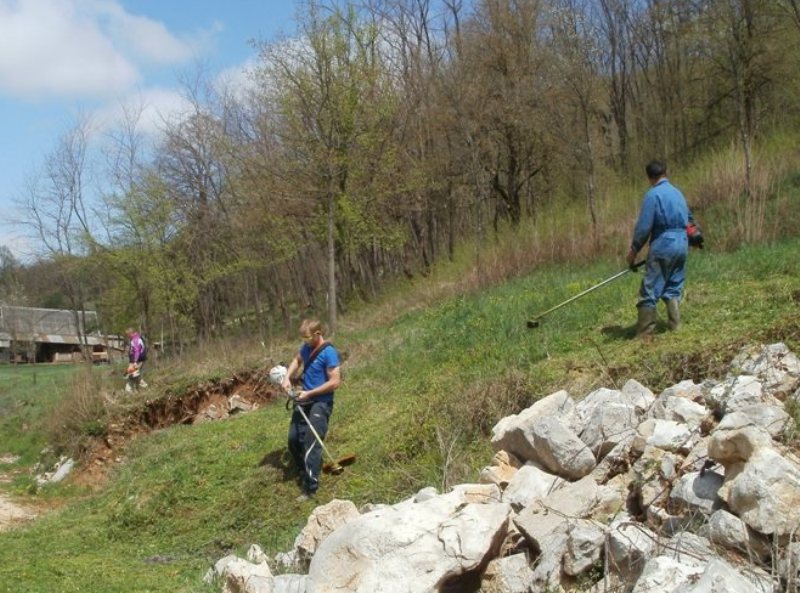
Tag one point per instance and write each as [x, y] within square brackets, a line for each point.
[30, 334]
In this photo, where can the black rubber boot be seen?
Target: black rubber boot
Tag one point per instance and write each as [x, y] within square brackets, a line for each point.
[673, 313]
[646, 323]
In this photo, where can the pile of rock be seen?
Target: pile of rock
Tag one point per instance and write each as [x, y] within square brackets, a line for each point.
[60, 470]
[690, 491]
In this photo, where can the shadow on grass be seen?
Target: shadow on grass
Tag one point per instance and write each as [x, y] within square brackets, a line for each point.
[281, 461]
[619, 332]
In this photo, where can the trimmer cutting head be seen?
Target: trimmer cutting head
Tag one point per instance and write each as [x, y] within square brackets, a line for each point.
[533, 323]
[337, 467]
[332, 469]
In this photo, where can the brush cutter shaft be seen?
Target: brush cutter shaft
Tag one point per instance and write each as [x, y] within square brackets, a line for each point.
[632, 268]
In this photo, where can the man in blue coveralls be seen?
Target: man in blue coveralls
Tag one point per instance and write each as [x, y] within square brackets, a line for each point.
[321, 377]
[662, 221]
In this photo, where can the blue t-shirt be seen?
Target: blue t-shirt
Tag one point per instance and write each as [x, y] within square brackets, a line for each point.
[316, 374]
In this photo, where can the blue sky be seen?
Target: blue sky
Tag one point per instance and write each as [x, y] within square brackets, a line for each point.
[61, 58]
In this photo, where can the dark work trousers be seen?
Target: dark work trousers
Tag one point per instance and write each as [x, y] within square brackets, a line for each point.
[306, 451]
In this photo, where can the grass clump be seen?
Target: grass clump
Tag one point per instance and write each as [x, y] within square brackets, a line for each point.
[83, 412]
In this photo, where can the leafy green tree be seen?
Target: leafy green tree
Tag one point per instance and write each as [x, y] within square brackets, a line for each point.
[335, 111]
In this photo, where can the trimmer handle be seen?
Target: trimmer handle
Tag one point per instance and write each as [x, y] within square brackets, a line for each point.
[291, 398]
[637, 265]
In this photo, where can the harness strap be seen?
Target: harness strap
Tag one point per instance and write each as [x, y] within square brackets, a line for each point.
[314, 354]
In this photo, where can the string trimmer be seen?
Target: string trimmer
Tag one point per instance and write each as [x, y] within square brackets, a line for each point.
[534, 322]
[335, 466]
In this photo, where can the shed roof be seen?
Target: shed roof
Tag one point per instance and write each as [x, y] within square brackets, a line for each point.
[24, 322]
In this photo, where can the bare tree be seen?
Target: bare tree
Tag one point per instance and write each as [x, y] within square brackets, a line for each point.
[128, 219]
[577, 61]
[792, 8]
[56, 213]
[505, 67]
[194, 173]
[12, 292]
[616, 19]
[740, 50]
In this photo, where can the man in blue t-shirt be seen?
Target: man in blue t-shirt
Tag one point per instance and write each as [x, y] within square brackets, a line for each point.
[662, 221]
[321, 377]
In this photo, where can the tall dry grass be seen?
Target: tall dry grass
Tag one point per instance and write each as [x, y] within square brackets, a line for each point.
[736, 216]
[715, 190]
[83, 412]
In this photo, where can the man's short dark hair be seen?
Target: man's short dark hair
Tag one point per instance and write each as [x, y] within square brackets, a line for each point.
[656, 169]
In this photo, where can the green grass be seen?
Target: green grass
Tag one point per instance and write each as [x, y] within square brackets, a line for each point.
[421, 392]
[28, 393]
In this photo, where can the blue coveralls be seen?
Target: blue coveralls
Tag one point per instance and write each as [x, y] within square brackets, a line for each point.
[306, 451]
[663, 221]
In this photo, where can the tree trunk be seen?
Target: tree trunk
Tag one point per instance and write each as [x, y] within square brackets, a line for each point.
[331, 266]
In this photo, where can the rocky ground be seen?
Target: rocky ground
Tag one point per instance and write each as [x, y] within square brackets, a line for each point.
[693, 490]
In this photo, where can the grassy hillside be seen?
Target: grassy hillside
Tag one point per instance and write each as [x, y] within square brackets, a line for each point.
[422, 390]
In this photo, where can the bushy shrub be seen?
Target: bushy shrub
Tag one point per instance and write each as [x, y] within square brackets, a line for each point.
[83, 412]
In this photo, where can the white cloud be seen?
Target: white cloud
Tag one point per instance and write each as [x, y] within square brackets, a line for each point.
[146, 37]
[154, 106]
[239, 80]
[150, 108]
[79, 48]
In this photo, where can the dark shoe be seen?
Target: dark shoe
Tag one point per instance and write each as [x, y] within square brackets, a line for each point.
[673, 313]
[646, 323]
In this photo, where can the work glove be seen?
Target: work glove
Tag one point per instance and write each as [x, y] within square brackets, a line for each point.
[631, 259]
[291, 398]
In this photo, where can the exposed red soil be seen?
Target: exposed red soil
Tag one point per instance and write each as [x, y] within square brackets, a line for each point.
[207, 401]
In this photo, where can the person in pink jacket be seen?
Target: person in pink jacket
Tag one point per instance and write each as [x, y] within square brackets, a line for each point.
[137, 354]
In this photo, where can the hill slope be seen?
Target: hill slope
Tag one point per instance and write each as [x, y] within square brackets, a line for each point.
[421, 393]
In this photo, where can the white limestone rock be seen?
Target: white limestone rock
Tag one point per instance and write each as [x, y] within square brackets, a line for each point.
[775, 365]
[630, 544]
[771, 418]
[668, 435]
[510, 574]
[502, 469]
[409, 547]
[528, 485]
[323, 521]
[765, 492]
[664, 575]
[697, 491]
[728, 530]
[514, 433]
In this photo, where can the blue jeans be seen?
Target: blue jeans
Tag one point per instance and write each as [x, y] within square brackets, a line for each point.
[666, 269]
[306, 451]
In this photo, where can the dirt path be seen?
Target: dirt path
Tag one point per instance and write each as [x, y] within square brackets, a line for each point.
[10, 512]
